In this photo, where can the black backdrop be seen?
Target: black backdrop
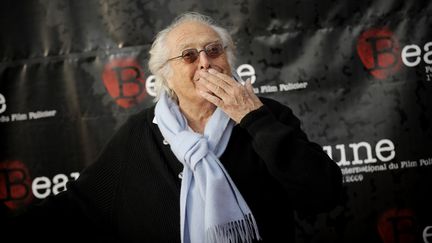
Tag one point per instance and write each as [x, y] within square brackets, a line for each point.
[357, 73]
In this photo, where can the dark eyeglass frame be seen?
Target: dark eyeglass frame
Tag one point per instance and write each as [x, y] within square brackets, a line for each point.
[195, 52]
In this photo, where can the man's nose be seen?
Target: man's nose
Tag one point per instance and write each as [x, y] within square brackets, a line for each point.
[204, 61]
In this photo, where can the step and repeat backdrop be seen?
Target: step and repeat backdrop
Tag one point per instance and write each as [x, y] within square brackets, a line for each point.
[357, 73]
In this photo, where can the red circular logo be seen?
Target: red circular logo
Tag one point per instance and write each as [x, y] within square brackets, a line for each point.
[124, 81]
[379, 52]
[15, 184]
[397, 226]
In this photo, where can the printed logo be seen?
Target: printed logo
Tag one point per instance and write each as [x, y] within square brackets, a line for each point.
[379, 52]
[397, 226]
[412, 56]
[2, 104]
[43, 186]
[124, 81]
[15, 185]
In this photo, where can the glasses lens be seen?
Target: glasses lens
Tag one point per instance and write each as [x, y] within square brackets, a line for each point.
[214, 50]
[190, 55]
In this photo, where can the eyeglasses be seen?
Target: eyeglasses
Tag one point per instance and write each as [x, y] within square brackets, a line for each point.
[212, 50]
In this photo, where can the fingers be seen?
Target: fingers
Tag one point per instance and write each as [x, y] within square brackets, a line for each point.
[215, 88]
[220, 79]
[226, 88]
[223, 77]
[249, 87]
[235, 99]
[213, 99]
[216, 85]
[250, 90]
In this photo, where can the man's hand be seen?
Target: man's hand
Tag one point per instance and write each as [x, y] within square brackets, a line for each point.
[232, 97]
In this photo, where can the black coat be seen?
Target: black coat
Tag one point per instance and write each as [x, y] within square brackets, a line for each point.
[131, 193]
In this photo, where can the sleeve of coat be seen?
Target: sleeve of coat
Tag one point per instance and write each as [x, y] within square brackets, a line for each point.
[312, 180]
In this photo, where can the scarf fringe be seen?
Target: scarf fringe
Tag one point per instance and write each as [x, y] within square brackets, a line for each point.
[240, 231]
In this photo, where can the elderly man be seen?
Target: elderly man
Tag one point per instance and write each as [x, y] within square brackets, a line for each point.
[211, 162]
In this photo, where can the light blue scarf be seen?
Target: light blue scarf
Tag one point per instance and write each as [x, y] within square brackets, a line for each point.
[211, 207]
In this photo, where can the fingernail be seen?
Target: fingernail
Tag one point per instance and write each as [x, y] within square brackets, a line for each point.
[212, 71]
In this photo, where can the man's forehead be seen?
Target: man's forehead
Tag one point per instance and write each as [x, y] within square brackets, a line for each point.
[192, 34]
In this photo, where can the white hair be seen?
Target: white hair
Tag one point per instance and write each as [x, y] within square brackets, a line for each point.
[159, 51]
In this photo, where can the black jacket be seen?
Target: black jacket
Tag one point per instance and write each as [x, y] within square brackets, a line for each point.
[131, 193]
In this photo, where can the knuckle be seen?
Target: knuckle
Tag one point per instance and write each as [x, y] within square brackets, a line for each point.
[238, 91]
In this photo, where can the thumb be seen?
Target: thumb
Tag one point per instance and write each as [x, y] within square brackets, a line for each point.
[249, 86]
